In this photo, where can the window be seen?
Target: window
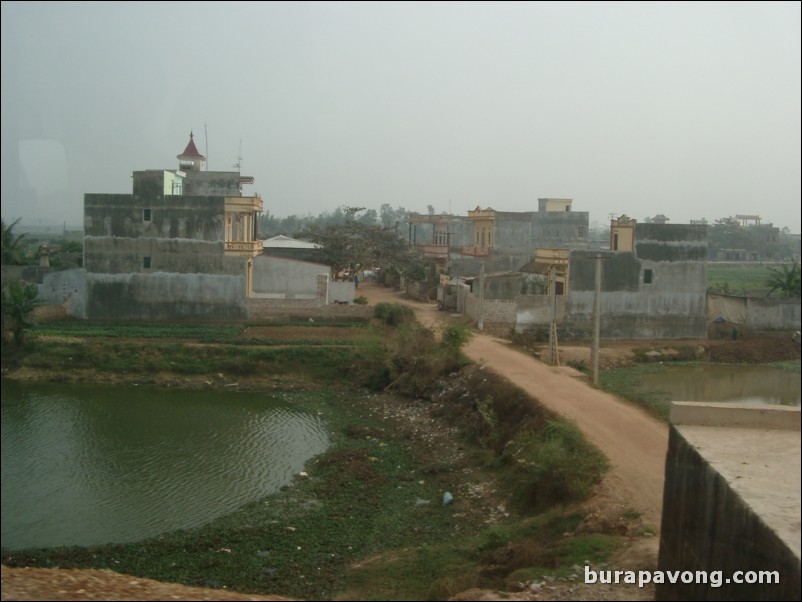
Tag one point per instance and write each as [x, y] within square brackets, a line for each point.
[615, 242]
[146, 263]
[146, 215]
[581, 231]
[647, 276]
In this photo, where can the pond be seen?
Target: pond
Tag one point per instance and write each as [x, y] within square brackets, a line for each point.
[86, 465]
[725, 383]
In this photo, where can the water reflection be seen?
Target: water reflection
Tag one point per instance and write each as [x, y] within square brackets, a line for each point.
[84, 465]
[747, 384]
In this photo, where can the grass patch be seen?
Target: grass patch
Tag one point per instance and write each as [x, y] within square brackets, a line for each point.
[790, 366]
[138, 357]
[628, 383]
[738, 279]
[494, 558]
[201, 333]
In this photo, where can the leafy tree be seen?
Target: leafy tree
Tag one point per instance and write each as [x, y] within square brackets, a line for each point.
[72, 246]
[369, 218]
[785, 279]
[18, 301]
[12, 251]
[727, 233]
[354, 246]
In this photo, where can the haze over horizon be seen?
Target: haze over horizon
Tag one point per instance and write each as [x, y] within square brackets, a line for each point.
[691, 110]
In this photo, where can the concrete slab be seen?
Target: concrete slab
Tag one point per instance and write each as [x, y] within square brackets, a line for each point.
[762, 465]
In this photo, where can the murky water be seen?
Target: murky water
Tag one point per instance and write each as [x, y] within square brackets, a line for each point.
[88, 465]
[730, 383]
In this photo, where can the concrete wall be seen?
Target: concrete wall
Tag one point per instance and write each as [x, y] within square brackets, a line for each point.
[520, 233]
[499, 315]
[179, 217]
[773, 314]
[341, 292]
[633, 315]
[732, 500]
[657, 291]
[513, 233]
[536, 310]
[166, 296]
[671, 242]
[113, 255]
[505, 287]
[497, 262]
[222, 183]
[67, 289]
[283, 278]
[153, 256]
[281, 309]
[561, 229]
[757, 313]
[459, 228]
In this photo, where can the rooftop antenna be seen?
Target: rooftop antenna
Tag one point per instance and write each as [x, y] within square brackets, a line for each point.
[206, 139]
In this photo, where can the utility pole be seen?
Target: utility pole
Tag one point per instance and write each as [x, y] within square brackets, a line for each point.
[594, 350]
[482, 296]
[553, 326]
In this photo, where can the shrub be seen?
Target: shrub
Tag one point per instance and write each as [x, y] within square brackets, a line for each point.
[553, 465]
[411, 364]
[580, 365]
[454, 336]
[393, 314]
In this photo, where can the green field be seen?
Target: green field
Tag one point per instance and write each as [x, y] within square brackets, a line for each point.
[737, 278]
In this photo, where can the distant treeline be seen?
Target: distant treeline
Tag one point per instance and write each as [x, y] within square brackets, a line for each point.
[386, 217]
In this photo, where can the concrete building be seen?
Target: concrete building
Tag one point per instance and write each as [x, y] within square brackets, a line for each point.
[180, 246]
[507, 240]
[622, 234]
[656, 290]
[553, 225]
[439, 236]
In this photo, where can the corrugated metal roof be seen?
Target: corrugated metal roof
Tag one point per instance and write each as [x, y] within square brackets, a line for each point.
[286, 242]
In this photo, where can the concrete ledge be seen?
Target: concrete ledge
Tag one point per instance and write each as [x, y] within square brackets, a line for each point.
[735, 415]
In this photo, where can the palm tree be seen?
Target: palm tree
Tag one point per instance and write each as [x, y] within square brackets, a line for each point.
[785, 279]
[18, 301]
[12, 252]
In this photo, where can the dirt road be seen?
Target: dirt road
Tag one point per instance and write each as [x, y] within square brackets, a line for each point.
[634, 442]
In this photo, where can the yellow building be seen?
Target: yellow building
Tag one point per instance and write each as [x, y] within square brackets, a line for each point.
[622, 234]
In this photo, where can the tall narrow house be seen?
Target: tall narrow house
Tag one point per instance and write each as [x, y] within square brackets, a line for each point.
[181, 246]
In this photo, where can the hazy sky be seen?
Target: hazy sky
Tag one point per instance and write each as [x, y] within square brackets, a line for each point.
[687, 109]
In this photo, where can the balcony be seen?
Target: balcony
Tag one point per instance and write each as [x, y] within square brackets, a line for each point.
[244, 204]
[552, 256]
[246, 248]
[436, 251]
[474, 251]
